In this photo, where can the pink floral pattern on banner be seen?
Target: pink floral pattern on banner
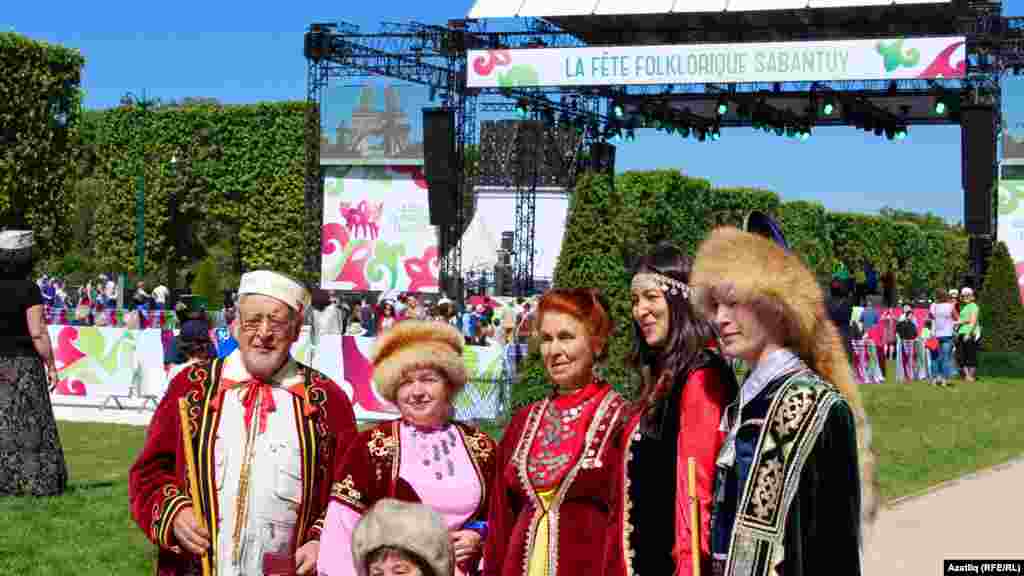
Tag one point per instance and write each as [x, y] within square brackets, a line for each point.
[421, 270]
[359, 373]
[333, 237]
[354, 270]
[416, 172]
[67, 353]
[941, 67]
[484, 65]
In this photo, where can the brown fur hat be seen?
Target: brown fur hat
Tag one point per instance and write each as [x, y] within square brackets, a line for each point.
[755, 270]
[412, 344]
[410, 527]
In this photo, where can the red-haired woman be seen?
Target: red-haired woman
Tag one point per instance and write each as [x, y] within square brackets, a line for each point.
[686, 388]
[555, 499]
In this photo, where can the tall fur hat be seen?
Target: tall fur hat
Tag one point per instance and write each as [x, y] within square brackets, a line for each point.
[410, 527]
[412, 344]
[755, 269]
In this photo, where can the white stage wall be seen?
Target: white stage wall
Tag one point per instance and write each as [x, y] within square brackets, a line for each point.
[497, 208]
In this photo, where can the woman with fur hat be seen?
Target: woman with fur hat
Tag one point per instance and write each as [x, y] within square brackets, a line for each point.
[401, 538]
[788, 486]
[423, 456]
[555, 501]
[687, 386]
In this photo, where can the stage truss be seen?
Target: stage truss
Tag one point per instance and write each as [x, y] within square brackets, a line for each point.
[436, 56]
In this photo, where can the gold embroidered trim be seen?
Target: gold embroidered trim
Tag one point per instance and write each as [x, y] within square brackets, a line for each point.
[480, 446]
[477, 455]
[771, 481]
[347, 493]
[519, 459]
[610, 405]
[627, 505]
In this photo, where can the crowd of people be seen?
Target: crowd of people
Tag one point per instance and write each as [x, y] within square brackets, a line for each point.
[481, 324]
[253, 463]
[949, 326]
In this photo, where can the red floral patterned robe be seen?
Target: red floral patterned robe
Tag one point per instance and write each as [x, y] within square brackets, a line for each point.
[158, 481]
[584, 531]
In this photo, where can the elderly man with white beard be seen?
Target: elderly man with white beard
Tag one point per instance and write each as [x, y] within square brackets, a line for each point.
[265, 431]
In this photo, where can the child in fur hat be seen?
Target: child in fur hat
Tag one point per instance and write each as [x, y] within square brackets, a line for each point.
[397, 537]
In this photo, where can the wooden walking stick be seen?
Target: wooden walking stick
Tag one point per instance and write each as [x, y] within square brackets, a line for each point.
[694, 516]
[193, 478]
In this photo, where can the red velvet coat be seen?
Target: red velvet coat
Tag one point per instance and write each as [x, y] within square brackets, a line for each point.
[158, 481]
[369, 471]
[585, 531]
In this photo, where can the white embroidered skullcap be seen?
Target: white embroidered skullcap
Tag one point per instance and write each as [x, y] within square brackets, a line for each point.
[16, 239]
[274, 285]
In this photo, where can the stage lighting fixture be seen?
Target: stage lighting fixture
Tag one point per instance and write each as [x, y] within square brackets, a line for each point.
[890, 133]
[791, 132]
[523, 107]
[805, 134]
[779, 130]
[940, 101]
[723, 106]
[901, 132]
[716, 133]
[630, 135]
[618, 110]
[829, 107]
[684, 131]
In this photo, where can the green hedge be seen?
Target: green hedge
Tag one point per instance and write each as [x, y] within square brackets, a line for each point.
[607, 227]
[40, 105]
[1002, 314]
[238, 166]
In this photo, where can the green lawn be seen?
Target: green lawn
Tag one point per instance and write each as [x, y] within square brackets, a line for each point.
[923, 436]
[88, 530]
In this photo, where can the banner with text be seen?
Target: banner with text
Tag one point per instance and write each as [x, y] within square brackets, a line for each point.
[818, 61]
[376, 230]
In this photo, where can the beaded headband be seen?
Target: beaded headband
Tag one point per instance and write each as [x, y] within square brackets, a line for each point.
[664, 283]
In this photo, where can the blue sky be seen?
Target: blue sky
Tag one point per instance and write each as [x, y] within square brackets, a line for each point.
[241, 53]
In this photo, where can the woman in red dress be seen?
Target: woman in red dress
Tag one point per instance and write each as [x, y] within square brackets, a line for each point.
[686, 388]
[554, 503]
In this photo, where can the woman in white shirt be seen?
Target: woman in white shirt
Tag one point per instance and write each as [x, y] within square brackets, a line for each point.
[942, 315]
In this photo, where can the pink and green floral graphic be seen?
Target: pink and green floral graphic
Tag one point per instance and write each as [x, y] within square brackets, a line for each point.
[376, 232]
[88, 357]
[895, 56]
[517, 75]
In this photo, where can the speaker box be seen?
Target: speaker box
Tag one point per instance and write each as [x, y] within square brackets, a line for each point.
[978, 147]
[439, 163]
[441, 202]
[529, 150]
[602, 157]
